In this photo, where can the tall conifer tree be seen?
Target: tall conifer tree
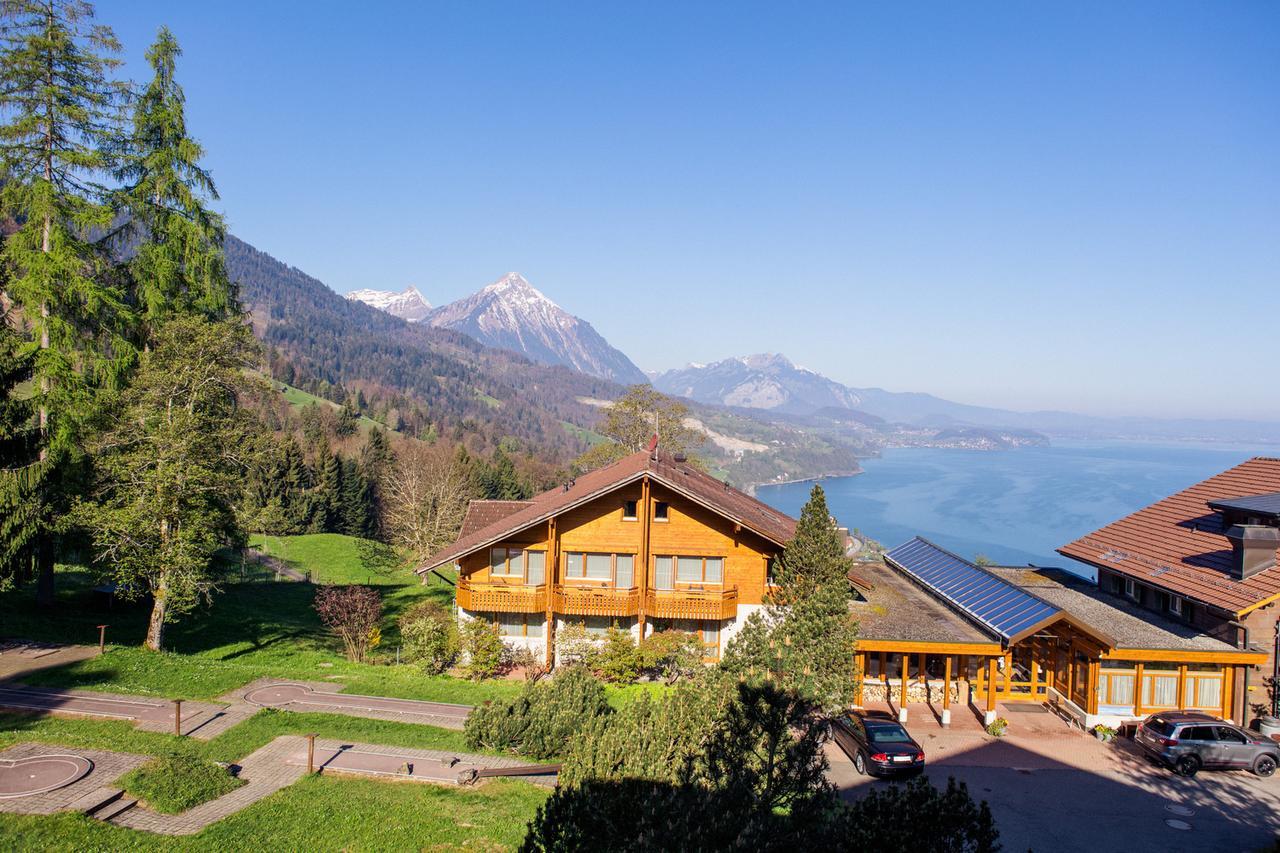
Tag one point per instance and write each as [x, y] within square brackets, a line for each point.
[178, 265]
[62, 121]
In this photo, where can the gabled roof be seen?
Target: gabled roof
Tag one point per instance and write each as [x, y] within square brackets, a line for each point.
[480, 514]
[1004, 609]
[660, 467]
[1179, 544]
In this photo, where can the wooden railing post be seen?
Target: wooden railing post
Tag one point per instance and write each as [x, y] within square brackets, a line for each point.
[177, 717]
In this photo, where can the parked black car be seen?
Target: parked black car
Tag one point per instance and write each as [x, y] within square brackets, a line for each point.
[878, 746]
[1187, 741]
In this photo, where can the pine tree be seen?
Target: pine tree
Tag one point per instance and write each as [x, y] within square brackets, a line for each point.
[63, 123]
[178, 267]
[354, 501]
[806, 638]
[329, 491]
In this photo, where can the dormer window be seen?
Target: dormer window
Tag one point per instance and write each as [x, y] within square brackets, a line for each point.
[628, 510]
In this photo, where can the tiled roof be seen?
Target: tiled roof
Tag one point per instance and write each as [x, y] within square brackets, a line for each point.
[1179, 544]
[1130, 626]
[480, 514]
[661, 467]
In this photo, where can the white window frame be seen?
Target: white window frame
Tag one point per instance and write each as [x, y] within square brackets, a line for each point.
[635, 513]
[1175, 604]
[1130, 589]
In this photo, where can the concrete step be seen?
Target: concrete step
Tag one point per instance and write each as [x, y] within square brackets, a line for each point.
[120, 806]
[94, 800]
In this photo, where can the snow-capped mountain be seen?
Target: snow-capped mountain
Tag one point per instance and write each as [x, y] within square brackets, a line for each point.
[765, 381]
[407, 305]
[514, 315]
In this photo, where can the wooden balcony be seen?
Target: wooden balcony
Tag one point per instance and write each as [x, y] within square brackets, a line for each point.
[713, 604]
[595, 601]
[501, 598]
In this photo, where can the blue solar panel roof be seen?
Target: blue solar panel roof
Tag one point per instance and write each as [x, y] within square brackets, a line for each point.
[993, 602]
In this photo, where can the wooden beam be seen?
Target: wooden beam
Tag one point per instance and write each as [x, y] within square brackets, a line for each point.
[1095, 667]
[861, 658]
[1137, 690]
[551, 575]
[1228, 688]
[1182, 685]
[991, 684]
[884, 673]
[946, 684]
[1239, 656]
[921, 675]
[643, 560]
[912, 646]
[906, 667]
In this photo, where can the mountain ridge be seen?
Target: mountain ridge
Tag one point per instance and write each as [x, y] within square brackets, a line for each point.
[409, 304]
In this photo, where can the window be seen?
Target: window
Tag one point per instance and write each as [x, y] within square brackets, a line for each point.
[1226, 734]
[664, 578]
[511, 624]
[1175, 605]
[628, 510]
[516, 624]
[691, 569]
[1130, 589]
[1201, 733]
[598, 626]
[1117, 585]
[534, 625]
[601, 567]
[708, 630]
[513, 562]
[660, 511]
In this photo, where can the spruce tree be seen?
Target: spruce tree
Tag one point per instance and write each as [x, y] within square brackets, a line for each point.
[329, 491]
[806, 638]
[19, 449]
[63, 124]
[178, 266]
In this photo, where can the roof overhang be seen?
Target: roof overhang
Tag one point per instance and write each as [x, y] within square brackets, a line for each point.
[588, 497]
[1105, 640]
[1246, 657]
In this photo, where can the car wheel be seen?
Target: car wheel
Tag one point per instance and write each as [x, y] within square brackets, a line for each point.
[1265, 765]
[859, 764]
[1187, 765]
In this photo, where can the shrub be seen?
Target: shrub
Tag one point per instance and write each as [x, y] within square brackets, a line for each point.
[997, 727]
[482, 649]
[671, 655]
[541, 720]
[518, 657]
[174, 783]
[352, 613]
[574, 645]
[945, 821]
[429, 635]
[617, 659]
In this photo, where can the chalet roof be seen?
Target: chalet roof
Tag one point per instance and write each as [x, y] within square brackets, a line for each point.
[1130, 626]
[897, 609]
[1179, 544]
[660, 467]
[480, 514]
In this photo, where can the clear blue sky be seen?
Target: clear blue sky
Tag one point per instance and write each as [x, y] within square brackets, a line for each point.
[1028, 205]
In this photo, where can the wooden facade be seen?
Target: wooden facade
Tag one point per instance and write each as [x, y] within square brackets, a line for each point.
[641, 552]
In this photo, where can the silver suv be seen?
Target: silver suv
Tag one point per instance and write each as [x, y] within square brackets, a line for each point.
[1188, 741]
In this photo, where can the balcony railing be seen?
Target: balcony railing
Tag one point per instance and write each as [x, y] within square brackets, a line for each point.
[596, 601]
[692, 603]
[501, 598]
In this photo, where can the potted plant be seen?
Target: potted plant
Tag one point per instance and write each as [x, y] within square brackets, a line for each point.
[997, 727]
[1103, 732]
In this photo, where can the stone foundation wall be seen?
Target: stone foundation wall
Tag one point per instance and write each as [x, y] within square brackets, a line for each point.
[917, 693]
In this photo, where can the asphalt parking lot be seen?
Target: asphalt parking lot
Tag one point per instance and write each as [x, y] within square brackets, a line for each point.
[1064, 791]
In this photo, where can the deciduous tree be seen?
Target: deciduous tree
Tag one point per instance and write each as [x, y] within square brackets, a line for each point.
[169, 466]
[425, 493]
[633, 419]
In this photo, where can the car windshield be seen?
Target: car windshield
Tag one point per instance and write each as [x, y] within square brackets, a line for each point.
[1160, 726]
[888, 733]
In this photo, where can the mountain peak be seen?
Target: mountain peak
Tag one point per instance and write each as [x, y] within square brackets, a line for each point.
[761, 381]
[513, 314]
[409, 304]
[761, 361]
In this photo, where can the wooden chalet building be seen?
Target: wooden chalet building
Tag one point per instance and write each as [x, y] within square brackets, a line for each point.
[1206, 560]
[647, 543]
[938, 629]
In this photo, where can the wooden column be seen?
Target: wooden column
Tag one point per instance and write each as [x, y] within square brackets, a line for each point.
[921, 675]
[1228, 685]
[1137, 689]
[1035, 668]
[861, 658]
[643, 559]
[1182, 685]
[884, 673]
[1095, 668]
[991, 685]
[964, 668]
[906, 668]
[551, 576]
[946, 691]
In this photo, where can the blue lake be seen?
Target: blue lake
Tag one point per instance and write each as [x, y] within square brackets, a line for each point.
[1013, 506]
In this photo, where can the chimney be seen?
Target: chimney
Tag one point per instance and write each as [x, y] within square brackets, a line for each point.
[1253, 549]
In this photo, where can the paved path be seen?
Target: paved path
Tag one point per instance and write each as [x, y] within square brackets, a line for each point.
[323, 697]
[265, 771]
[19, 658]
[280, 567]
[202, 720]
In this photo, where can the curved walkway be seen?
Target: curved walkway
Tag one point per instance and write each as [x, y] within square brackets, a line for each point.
[324, 697]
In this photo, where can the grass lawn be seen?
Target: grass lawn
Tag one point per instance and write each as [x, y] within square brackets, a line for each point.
[253, 628]
[173, 783]
[314, 814]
